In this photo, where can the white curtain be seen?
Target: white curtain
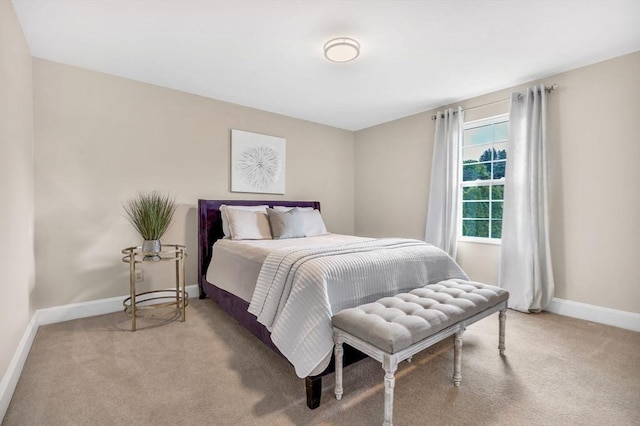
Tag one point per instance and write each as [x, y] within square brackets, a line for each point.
[442, 215]
[525, 260]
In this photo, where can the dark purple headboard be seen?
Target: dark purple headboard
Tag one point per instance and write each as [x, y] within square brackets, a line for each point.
[210, 226]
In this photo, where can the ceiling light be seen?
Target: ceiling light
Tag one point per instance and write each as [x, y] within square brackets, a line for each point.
[341, 49]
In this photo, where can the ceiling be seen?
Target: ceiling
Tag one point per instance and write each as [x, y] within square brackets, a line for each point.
[415, 55]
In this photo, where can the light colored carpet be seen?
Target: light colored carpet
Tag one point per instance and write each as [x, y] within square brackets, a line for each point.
[210, 371]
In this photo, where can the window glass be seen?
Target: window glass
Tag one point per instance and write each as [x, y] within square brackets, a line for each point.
[473, 154]
[475, 193]
[496, 229]
[475, 228]
[484, 161]
[501, 131]
[478, 135]
[500, 151]
[497, 192]
[496, 210]
[471, 172]
[475, 210]
[499, 169]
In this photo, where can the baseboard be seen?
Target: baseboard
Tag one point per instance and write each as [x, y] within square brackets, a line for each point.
[11, 376]
[51, 316]
[89, 309]
[599, 314]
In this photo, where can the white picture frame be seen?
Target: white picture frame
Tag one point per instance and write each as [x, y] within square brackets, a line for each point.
[257, 163]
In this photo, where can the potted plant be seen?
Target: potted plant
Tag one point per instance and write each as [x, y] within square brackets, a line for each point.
[151, 214]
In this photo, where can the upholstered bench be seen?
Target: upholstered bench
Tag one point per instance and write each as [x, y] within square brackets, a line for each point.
[393, 329]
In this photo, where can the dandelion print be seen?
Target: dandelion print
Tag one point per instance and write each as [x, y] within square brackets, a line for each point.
[259, 166]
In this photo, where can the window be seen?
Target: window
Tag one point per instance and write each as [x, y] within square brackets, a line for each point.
[484, 158]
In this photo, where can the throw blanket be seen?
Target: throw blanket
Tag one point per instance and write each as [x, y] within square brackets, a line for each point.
[299, 290]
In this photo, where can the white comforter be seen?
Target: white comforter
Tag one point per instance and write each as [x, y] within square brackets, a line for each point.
[299, 290]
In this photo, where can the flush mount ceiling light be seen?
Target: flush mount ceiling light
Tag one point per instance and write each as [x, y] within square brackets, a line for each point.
[341, 49]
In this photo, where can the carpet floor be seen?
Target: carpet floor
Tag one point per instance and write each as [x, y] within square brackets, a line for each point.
[211, 371]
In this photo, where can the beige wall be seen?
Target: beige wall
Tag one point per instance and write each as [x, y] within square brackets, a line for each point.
[100, 139]
[392, 167]
[595, 183]
[16, 185]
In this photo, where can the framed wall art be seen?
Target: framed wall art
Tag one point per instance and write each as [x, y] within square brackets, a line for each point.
[257, 163]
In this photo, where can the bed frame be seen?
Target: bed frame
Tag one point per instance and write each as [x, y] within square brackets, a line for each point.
[209, 231]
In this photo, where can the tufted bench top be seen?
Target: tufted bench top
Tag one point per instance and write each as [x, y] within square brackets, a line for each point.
[395, 323]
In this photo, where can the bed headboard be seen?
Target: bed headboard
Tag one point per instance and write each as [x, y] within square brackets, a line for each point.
[210, 226]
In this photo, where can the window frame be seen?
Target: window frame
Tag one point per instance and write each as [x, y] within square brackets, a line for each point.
[496, 119]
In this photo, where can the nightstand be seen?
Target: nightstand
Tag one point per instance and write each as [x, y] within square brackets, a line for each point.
[137, 303]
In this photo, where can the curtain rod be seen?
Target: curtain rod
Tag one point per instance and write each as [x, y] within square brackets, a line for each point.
[547, 89]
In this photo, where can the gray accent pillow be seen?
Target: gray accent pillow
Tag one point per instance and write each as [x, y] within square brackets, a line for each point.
[289, 224]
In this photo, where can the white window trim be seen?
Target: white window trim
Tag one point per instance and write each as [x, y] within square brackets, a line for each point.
[471, 124]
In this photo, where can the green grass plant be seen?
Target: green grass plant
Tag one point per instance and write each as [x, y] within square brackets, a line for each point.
[150, 214]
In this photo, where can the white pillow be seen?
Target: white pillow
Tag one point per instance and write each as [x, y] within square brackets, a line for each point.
[248, 225]
[287, 208]
[225, 220]
[313, 223]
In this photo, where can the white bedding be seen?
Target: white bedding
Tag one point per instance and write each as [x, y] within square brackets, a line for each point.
[235, 265]
[299, 290]
[296, 285]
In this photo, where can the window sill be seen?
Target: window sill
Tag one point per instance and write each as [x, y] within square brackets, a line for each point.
[491, 241]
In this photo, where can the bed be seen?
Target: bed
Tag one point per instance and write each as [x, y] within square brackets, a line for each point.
[285, 291]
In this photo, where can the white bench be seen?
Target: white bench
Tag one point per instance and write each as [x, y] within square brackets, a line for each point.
[393, 329]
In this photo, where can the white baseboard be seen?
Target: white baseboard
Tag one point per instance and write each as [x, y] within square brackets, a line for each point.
[88, 309]
[608, 316]
[50, 316]
[11, 376]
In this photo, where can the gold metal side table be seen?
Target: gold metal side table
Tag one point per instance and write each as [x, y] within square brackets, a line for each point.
[137, 303]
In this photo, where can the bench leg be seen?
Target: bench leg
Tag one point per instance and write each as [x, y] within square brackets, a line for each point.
[457, 358]
[503, 320]
[390, 365]
[338, 352]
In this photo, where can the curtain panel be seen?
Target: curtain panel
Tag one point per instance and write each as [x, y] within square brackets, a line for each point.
[525, 258]
[442, 214]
